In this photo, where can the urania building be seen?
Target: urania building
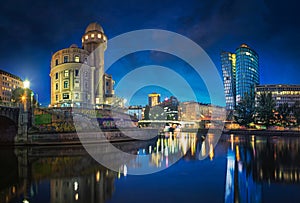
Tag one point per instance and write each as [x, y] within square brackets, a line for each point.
[77, 74]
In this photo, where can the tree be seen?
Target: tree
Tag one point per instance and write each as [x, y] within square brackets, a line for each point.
[245, 110]
[265, 109]
[17, 95]
[296, 111]
[147, 112]
[283, 115]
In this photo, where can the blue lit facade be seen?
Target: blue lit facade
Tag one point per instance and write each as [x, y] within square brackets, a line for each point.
[228, 61]
[240, 74]
[247, 70]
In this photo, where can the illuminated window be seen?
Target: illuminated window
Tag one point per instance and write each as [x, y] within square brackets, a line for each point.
[86, 37]
[99, 36]
[76, 83]
[77, 59]
[66, 84]
[66, 73]
[92, 35]
[104, 38]
[65, 96]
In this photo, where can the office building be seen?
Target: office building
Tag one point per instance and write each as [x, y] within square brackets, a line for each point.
[280, 93]
[240, 74]
[153, 99]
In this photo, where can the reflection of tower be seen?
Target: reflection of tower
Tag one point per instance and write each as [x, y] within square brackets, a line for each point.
[240, 185]
[96, 187]
[95, 42]
[229, 186]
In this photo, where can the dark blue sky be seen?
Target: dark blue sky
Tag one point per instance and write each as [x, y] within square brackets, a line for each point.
[31, 30]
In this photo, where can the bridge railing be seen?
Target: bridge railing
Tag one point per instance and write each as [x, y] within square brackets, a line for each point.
[11, 104]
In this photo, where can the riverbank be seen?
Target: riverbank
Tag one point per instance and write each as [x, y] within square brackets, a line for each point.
[263, 132]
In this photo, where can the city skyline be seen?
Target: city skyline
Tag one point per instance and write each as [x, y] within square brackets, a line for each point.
[28, 40]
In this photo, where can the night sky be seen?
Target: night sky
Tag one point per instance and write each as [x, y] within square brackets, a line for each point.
[30, 31]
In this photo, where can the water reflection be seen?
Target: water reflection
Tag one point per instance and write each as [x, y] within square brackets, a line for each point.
[255, 161]
[253, 167]
[65, 174]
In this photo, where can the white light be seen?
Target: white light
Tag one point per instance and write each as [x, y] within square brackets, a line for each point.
[125, 170]
[76, 196]
[25, 201]
[76, 186]
[26, 84]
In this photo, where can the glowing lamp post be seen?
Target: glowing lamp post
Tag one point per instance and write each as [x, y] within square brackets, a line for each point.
[26, 85]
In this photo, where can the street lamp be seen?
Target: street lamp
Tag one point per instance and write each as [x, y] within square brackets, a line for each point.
[26, 84]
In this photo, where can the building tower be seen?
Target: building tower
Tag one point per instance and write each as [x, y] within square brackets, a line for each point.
[153, 99]
[240, 74]
[228, 61]
[247, 70]
[77, 74]
[95, 42]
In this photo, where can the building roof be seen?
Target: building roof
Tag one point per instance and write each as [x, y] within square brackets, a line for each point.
[94, 27]
[2, 72]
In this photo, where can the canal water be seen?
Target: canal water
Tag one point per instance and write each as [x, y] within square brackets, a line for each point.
[238, 169]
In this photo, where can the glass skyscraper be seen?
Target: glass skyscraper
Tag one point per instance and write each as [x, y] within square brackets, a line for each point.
[228, 61]
[240, 74]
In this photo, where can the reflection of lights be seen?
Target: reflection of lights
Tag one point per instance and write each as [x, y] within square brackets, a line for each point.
[150, 149]
[211, 152]
[231, 141]
[229, 191]
[76, 196]
[203, 149]
[98, 176]
[237, 152]
[240, 166]
[75, 185]
[125, 170]
[119, 174]
[167, 161]
[13, 189]
[280, 174]
[166, 151]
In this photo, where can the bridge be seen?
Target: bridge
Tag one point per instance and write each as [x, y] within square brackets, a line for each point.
[160, 123]
[15, 121]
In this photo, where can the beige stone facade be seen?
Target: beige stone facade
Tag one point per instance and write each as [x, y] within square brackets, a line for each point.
[77, 74]
[8, 82]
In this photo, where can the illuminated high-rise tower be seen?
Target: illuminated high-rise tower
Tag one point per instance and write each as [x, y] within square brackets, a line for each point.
[247, 70]
[240, 74]
[228, 61]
